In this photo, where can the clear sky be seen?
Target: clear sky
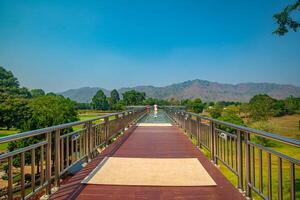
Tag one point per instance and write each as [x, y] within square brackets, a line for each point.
[58, 45]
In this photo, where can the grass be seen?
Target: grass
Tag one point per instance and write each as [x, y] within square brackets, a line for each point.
[3, 133]
[287, 125]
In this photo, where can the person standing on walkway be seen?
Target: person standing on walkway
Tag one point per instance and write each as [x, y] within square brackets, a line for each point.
[155, 111]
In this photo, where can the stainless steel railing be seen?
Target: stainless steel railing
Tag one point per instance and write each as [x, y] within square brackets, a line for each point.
[56, 150]
[263, 172]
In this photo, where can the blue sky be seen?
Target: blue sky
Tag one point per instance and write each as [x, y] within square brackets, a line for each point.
[58, 45]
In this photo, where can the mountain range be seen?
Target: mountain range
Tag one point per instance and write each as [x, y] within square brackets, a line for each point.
[206, 90]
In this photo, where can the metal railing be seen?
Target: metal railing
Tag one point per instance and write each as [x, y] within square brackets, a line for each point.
[261, 171]
[52, 151]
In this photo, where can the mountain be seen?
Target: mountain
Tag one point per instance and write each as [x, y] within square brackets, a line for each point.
[84, 94]
[207, 91]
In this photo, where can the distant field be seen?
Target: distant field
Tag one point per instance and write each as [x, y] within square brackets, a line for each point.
[287, 125]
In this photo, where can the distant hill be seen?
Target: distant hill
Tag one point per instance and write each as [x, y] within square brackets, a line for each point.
[84, 94]
[207, 91]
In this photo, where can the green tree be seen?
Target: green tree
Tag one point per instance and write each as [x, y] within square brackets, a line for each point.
[292, 105]
[134, 97]
[99, 101]
[285, 21]
[230, 118]
[45, 111]
[13, 111]
[13, 100]
[50, 110]
[261, 107]
[197, 106]
[215, 111]
[114, 99]
[37, 93]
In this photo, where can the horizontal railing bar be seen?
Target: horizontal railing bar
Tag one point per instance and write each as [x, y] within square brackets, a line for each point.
[72, 165]
[273, 136]
[227, 165]
[21, 150]
[273, 152]
[96, 125]
[257, 191]
[72, 133]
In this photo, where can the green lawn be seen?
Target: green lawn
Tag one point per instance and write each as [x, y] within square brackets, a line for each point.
[287, 125]
[4, 132]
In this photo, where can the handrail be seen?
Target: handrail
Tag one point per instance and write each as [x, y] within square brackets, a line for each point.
[265, 134]
[55, 127]
[59, 150]
[243, 154]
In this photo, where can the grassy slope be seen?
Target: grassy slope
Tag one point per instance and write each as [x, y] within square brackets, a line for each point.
[286, 126]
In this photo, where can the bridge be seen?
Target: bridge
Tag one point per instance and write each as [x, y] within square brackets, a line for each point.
[136, 155]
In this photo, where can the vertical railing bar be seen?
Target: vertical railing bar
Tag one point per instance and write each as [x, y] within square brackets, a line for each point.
[42, 166]
[67, 152]
[292, 180]
[248, 171]
[231, 152]
[269, 176]
[57, 157]
[80, 145]
[240, 160]
[23, 175]
[76, 147]
[48, 164]
[253, 167]
[279, 192]
[260, 171]
[10, 178]
[72, 150]
[32, 169]
[62, 160]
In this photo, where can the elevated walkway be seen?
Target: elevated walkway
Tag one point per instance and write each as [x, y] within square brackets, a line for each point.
[150, 142]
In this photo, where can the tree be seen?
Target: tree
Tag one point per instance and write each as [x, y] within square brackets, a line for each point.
[50, 110]
[230, 118]
[197, 106]
[99, 101]
[215, 111]
[134, 97]
[37, 93]
[114, 98]
[174, 102]
[285, 21]
[13, 111]
[261, 107]
[292, 105]
[13, 100]
[45, 111]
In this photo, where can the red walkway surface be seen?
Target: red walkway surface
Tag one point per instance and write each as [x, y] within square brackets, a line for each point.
[149, 142]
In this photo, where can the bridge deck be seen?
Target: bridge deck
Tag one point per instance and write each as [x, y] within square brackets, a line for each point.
[149, 142]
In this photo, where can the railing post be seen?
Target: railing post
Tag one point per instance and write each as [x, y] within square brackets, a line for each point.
[87, 140]
[91, 141]
[106, 129]
[247, 159]
[240, 160]
[57, 158]
[198, 120]
[48, 164]
[212, 142]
